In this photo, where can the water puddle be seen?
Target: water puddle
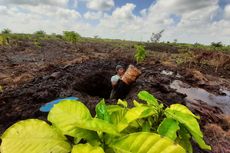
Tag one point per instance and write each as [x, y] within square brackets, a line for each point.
[195, 94]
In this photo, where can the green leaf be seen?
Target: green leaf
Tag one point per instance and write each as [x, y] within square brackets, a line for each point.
[168, 128]
[144, 142]
[117, 116]
[86, 148]
[69, 115]
[190, 122]
[134, 114]
[123, 103]
[136, 103]
[90, 136]
[100, 126]
[113, 108]
[116, 113]
[101, 111]
[146, 127]
[183, 109]
[146, 96]
[184, 139]
[33, 136]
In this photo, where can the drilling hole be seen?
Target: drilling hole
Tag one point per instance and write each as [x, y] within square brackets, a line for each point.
[97, 84]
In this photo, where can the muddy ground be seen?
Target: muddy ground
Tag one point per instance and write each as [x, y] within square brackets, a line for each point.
[33, 75]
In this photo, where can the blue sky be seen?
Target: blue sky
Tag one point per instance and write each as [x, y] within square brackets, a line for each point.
[191, 21]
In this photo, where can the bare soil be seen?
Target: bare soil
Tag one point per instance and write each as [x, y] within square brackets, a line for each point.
[32, 76]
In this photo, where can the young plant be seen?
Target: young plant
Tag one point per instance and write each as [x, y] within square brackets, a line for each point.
[140, 53]
[114, 129]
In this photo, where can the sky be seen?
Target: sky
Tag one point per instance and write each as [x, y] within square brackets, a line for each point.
[188, 21]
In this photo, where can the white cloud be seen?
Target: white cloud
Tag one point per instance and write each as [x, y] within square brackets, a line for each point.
[119, 19]
[93, 15]
[227, 12]
[195, 20]
[195, 24]
[100, 5]
[182, 6]
[62, 3]
[143, 12]
[125, 12]
[42, 17]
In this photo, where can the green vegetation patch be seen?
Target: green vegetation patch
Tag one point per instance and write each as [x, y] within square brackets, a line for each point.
[146, 127]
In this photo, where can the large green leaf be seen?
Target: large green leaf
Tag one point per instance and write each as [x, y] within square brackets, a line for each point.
[146, 96]
[101, 111]
[86, 148]
[183, 109]
[190, 122]
[69, 115]
[134, 114]
[184, 139]
[145, 142]
[169, 128]
[33, 136]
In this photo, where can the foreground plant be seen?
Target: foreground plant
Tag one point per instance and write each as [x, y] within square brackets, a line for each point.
[146, 127]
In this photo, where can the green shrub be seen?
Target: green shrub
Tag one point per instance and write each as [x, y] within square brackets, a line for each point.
[146, 127]
[6, 31]
[40, 34]
[3, 40]
[217, 44]
[59, 36]
[140, 53]
[71, 36]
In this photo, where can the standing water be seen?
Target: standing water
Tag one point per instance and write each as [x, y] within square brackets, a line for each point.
[195, 94]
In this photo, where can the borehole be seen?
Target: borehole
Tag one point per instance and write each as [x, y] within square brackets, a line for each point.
[96, 84]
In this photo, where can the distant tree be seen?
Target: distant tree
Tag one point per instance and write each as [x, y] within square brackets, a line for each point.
[197, 44]
[71, 36]
[40, 33]
[156, 36]
[6, 31]
[217, 44]
[59, 36]
[175, 41]
[96, 36]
